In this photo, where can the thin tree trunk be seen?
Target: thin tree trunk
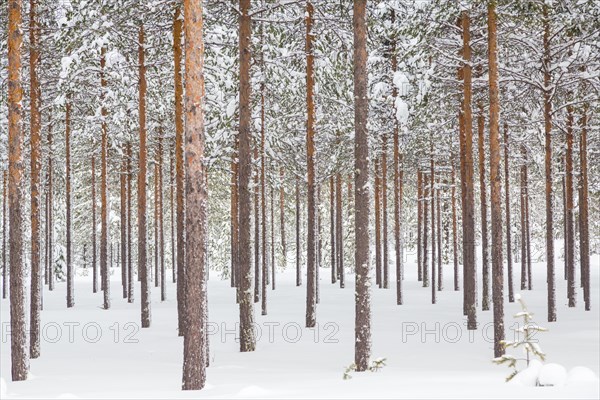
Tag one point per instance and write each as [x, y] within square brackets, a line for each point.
[156, 223]
[397, 190]
[123, 211]
[46, 229]
[440, 280]
[548, 167]
[142, 234]
[172, 210]
[454, 228]
[319, 250]
[584, 239]
[420, 225]
[70, 268]
[485, 251]
[570, 255]
[256, 205]
[362, 350]
[432, 191]
[377, 201]
[384, 214]
[247, 339]
[104, 233]
[263, 199]
[35, 140]
[468, 221]
[94, 240]
[511, 290]
[522, 198]
[495, 180]
[179, 169]
[50, 220]
[425, 209]
[282, 216]
[195, 346]
[564, 209]
[298, 265]
[161, 230]
[339, 230]
[311, 242]
[18, 324]
[129, 197]
[234, 217]
[4, 228]
[332, 228]
[272, 237]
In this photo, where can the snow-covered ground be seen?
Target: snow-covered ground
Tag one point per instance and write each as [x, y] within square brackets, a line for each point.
[89, 352]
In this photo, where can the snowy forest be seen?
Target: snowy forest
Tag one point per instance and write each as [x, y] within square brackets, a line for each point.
[300, 198]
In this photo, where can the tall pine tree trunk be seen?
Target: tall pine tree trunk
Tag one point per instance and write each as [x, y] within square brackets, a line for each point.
[195, 347]
[468, 222]
[247, 339]
[18, 324]
[35, 140]
[104, 212]
[548, 89]
[495, 180]
[123, 212]
[311, 242]
[143, 266]
[362, 323]
[179, 169]
[70, 268]
[129, 214]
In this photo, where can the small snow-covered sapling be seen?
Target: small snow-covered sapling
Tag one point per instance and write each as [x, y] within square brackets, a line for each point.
[525, 339]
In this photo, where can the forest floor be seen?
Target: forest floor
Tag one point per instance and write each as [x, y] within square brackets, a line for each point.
[88, 352]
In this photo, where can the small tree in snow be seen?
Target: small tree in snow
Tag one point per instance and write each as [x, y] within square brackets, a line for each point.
[525, 339]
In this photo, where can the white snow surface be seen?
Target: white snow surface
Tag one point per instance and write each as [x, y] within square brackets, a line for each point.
[88, 352]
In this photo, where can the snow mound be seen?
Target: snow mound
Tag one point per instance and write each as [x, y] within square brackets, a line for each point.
[253, 391]
[552, 375]
[529, 376]
[581, 374]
